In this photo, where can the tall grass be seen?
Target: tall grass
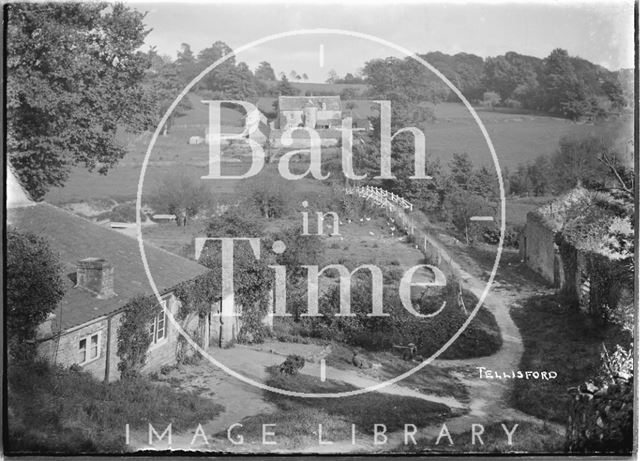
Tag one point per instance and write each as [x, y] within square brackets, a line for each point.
[57, 410]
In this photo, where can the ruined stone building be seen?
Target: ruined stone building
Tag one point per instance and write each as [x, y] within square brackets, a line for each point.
[581, 243]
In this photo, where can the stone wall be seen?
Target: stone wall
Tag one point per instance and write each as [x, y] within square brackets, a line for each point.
[64, 349]
[539, 249]
[601, 418]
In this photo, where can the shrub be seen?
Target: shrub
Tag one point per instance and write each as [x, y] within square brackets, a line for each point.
[480, 338]
[124, 212]
[182, 195]
[292, 365]
[34, 286]
[393, 274]
[268, 193]
[491, 235]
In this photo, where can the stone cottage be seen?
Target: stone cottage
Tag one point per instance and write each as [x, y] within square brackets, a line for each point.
[103, 271]
[316, 112]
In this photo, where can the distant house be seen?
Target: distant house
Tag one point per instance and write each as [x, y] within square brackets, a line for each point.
[580, 244]
[316, 112]
[103, 272]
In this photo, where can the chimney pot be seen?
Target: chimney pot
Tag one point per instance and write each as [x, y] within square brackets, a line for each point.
[96, 276]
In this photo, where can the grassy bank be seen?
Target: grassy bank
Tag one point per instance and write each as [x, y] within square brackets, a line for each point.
[297, 419]
[561, 339]
[56, 410]
[529, 438]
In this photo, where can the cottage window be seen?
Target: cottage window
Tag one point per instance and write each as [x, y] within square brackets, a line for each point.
[158, 327]
[88, 348]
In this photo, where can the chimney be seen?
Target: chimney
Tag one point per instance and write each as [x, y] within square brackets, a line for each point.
[96, 275]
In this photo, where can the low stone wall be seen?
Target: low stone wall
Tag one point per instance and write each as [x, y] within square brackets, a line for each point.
[601, 418]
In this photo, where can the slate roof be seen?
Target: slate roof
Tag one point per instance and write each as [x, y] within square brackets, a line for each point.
[298, 102]
[75, 238]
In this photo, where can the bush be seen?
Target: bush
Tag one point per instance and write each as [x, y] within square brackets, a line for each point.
[268, 193]
[124, 212]
[491, 235]
[181, 195]
[34, 286]
[292, 365]
[480, 338]
[393, 274]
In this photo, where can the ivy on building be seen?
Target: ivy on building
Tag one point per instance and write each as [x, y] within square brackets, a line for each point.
[134, 335]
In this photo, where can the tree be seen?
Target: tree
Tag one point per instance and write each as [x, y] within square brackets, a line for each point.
[348, 93]
[333, 76]
[268, 193]
[460, 206]
[265, 72]
[74, 78]
[613, 90]
[186, 64]
[285, 88]
[563, 91]
[181, 195]
[219, 79]
[239, 84]
[576, 161]
[500, 76]
[403, 82]
[301, 250]
[538, 174]
[165, 83]
[252, 277]
[460, 168]
[293, 75]
[305, 77]
[484, 183]
[34, 287]
[491, 99]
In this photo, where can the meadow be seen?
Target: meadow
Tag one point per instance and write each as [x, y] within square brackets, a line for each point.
[517, 137]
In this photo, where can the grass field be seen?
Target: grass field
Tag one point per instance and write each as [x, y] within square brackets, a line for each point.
[517, 138]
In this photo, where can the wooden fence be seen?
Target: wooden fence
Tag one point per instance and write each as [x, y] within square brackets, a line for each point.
[381, 197]
[400, 211]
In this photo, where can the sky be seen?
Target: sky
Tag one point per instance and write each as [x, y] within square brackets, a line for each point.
[600, 31]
